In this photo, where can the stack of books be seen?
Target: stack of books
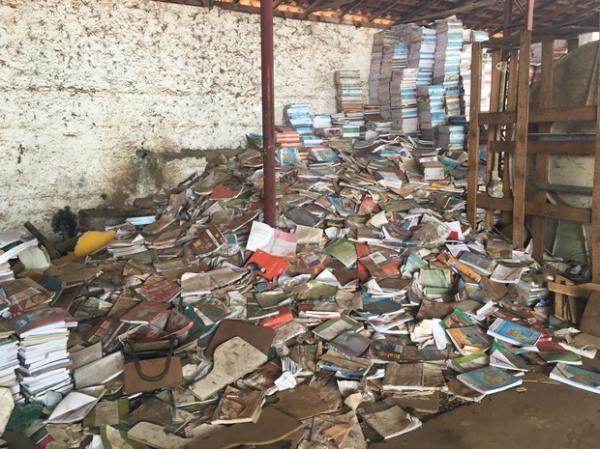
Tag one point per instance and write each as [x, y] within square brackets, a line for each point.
[349, 90]
[466, 56]
[400, 57]
[431, 109]
[421, 55]
[44, 360]
[6, 273]
[404, 100]
[298, 116]
[287, 138]
[381, 70]
[351, 123]
[469, 37]
[450, 137]
[9, 362]
[446, 68]
[372, 113]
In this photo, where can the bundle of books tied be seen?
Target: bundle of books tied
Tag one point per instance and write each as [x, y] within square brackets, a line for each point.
[44, 363]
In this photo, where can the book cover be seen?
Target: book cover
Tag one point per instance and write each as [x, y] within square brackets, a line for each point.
[489, 380]
[468, 340]
[576, 377]
[514, 333]
[160, 290]
[482, 264]
[146, 312]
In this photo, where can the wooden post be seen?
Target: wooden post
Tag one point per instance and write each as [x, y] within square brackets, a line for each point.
[522, 130]
[596, 190]
[496, 94]
[545, 101]
[473, 176]
[511, 105]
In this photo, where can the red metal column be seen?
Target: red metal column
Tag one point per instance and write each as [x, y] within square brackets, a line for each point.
[530, 11]
[268, 110]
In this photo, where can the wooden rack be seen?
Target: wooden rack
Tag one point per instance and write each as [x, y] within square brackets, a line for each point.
[509, 144]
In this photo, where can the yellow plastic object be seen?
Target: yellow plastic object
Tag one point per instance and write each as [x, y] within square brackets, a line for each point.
[92, 241]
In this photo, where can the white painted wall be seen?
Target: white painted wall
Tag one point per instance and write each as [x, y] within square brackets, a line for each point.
[86, 83]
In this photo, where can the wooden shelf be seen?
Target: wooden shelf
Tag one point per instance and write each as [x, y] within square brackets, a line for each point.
[570, 147]
[509, 122]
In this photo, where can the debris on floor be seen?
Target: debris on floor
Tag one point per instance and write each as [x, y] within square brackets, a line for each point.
[371, 307]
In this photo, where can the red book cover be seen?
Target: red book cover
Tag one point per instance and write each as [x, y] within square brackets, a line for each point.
[162, 290]
[285, 316]
[267, 265]
[146, 312]
[224, 193]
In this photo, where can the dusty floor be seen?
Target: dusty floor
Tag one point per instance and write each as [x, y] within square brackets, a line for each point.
[545, 417]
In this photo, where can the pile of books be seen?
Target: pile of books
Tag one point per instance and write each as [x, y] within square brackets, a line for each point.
[349, 90]
[404, 100]
[469, 37]
[421, 55]
[381, 70]
[451, 137]
[375, 68]
[351, 123]
[372, 113]
[298, 116]
[431, 109]
[466, 56]
[400, 57]
[446, 68]
[9, 362]
[287, 138]
[44, 360]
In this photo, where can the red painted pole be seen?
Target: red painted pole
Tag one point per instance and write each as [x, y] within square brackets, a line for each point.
[268, 110]
[530, 11]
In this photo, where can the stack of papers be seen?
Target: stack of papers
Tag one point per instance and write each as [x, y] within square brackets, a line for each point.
[9, 362]
[45, 364]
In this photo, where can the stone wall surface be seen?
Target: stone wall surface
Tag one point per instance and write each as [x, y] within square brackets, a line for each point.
[86, 86]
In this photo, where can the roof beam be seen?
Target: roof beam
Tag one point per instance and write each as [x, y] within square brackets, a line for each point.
[315, 6]
[383, 11]
[464, 8]
[350, 7]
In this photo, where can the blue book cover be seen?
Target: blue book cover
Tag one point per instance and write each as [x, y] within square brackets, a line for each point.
[514, 333]
[489, 380]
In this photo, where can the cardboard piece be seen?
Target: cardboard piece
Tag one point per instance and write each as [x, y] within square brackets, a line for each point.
[304, 402]
[232, 360]
[258, 336]
[155, 436]
[7, 404]
[590, 322]
[271, 427]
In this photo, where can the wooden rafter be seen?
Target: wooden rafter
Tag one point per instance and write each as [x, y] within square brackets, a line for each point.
[476, 14]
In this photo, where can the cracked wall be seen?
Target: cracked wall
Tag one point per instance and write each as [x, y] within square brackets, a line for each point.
[86, 84]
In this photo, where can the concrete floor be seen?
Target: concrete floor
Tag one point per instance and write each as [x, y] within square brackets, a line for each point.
[547, 416]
